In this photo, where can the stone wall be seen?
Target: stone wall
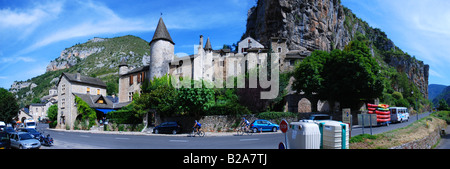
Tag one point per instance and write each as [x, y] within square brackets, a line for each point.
[217, 123]
[425, 143]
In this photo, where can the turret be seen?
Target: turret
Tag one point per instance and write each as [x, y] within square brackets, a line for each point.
[123, 67]
[161, 51]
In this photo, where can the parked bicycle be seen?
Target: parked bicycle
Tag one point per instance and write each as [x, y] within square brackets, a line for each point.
[200, 133]
[244, 130]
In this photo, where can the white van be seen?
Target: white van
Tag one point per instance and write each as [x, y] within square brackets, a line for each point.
[399, 114]
[30, 123]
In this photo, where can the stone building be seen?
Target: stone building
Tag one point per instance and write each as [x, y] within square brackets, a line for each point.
[207, 64]
[70, 85]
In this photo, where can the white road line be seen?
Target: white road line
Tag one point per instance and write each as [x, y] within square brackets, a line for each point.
[250, 139]
[85, 136]
[179, 141]
[122, 138]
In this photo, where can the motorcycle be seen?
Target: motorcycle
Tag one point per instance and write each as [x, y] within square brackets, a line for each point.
[46, 140]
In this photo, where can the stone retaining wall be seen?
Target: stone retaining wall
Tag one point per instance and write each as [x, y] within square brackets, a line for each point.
[425, 143]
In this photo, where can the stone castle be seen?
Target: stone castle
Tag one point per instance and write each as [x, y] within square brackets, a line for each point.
[211, 65]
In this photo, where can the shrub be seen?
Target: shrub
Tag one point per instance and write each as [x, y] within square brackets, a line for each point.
[444, 115]
[275, 115]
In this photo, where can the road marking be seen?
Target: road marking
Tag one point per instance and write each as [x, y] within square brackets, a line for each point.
[84, 136]
[179, 141]
[249, 139]
[122, 138]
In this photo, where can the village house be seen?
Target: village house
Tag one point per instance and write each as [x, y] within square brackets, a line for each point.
[90, 90]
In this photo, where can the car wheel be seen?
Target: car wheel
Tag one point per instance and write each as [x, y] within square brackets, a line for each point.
[174, 132]
[255, 130]
[156, 131]
[274, 129]
[20, 147]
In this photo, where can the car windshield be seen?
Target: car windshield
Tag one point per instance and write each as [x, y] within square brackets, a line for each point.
[31, 130]
[320, 118]
[31, 124]
[25, 136]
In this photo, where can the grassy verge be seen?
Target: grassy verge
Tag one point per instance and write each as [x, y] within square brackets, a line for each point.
[417, 130]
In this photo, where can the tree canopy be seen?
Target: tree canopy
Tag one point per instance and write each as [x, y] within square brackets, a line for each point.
[9, 107]
[347, 76]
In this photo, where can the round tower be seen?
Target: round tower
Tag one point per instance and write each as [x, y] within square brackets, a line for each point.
[123, 67]
[161, 51]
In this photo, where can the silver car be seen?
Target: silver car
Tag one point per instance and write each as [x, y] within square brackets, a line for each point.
[23, 140]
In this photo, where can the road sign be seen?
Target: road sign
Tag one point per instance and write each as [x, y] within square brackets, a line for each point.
[284, 126]
[346, 116]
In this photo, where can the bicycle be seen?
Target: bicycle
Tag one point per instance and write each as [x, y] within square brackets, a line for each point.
[200, 133]
[241, 130]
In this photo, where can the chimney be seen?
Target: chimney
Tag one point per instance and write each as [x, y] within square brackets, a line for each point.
[78, 76]
[201, 40]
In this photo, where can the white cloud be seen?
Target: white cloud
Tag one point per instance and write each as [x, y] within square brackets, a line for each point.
[22, 22]
[89, 19]
[436, 74]
[16, 59]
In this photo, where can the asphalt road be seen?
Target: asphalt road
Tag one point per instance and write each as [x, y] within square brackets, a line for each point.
[381, 129]
[81, 140]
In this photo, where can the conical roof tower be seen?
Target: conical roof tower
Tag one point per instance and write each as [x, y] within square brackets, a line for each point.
[161, 32]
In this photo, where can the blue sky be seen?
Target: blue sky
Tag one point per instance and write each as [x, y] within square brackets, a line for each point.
[419, 27]
[32, 33]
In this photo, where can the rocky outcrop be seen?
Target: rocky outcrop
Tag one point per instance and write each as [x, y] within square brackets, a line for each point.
[302, 22]
[71, 56]
[326, 25]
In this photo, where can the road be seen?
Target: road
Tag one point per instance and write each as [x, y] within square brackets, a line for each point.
[381, 129]
[82, 140]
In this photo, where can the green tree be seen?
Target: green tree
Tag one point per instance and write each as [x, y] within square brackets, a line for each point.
[8, 106]
[308, 73]
[443, 105]
[159, 95]
[195, 101]
[346, 76]
[52, 114]
[86, 111]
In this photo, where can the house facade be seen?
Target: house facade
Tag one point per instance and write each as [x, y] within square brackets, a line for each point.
[70, 85]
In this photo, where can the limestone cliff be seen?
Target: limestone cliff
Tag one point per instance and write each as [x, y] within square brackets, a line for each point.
[327, 25]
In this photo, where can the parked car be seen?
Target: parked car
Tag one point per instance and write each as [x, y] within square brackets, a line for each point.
[320, 117]
[32, 131]
[263, 125]
[167, 127]
[23, 140]
[4, 140]
[9, 130]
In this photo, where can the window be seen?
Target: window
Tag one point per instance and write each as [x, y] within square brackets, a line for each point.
[139, 78]
[131, 80]
[279, 49]
[63, 89]
[130, 96]
[88, 90]
[98, 91]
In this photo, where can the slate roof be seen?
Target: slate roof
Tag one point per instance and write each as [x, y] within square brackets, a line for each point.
[83, 79]
[91, 100]
[208, 45]
[161, 32]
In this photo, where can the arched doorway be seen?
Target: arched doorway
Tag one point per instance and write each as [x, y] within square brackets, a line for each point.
[304, 106]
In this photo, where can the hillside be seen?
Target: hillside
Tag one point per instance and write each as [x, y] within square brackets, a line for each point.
[98, 57]
[434, 90]
[444, 94]
[327, 25]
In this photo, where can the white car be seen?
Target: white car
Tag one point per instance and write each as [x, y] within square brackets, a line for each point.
[23, 140]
